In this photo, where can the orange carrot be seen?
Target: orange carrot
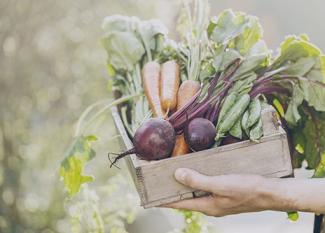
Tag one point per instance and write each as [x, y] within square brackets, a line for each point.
[186, 91]
[181, 147]
[151, 86]
[170, 79]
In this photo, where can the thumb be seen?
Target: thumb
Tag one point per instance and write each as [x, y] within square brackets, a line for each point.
[195, 180]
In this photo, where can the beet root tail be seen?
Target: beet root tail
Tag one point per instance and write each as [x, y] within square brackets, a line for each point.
[119, 156]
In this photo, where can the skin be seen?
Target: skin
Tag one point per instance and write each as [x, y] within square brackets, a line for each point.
[234, 194]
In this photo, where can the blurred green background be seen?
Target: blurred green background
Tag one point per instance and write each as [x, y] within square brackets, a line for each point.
[51, 68]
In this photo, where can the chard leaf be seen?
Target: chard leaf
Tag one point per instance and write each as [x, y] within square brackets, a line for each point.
[314, 147]
[314, 93]
[235, 29]
[293, 49]
[302, 66]
[292, 115]
[259, 48]
[251, 64]
[71, 169]
[309, 139]
[251, 34]
[223, 59]
[317, 73]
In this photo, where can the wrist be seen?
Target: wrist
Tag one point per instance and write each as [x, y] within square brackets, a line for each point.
[275, 195]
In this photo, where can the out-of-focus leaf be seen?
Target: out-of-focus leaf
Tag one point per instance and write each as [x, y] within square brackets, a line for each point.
[72, 167]
[293, 216]
[124, 50]
[150, 29]
[119, 23]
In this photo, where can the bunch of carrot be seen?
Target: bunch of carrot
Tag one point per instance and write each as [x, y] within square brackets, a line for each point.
[166, 94]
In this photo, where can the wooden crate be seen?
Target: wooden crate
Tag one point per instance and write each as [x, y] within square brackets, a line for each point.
[155, 181]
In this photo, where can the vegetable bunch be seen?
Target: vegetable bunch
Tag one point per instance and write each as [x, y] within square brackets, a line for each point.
[210, 87]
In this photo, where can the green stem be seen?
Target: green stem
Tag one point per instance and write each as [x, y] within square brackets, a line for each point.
[99, 112]
[86, 112]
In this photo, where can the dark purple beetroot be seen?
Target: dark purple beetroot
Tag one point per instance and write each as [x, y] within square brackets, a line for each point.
[229, 140]
[153, 140]
[200, 134]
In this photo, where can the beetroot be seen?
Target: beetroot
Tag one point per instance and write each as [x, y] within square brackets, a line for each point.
[153, 140]
[230, 140]
[200, 134]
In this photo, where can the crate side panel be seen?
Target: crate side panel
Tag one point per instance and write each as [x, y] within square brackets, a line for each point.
[264, 158]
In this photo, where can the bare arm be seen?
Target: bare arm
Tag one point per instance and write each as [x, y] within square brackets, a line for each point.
[233, 194]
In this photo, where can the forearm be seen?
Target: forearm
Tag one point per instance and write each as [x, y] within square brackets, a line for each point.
[294, 194]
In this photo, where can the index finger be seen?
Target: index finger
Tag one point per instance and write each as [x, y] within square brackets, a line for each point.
[195, 180]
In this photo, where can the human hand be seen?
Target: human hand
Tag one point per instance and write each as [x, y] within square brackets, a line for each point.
[231, 194]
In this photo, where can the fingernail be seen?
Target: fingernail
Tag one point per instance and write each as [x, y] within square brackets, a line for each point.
[180, 174]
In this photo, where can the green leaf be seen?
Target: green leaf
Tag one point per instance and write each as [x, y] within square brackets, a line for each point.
[123, 49]
[320, 170]
[251, 34]
[314, 93]
[314, 146]
[119, 23]
[278, 106]
[302, 66]
[149, 30]
[72, 167]
[317, 73]
[222, 60]
[293, 216]
[293, 49]
[251, 64]
[292, 115]
[309, 139]
[235, 29]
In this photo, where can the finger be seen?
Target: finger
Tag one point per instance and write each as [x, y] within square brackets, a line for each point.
[202, 204]
[194, 179]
